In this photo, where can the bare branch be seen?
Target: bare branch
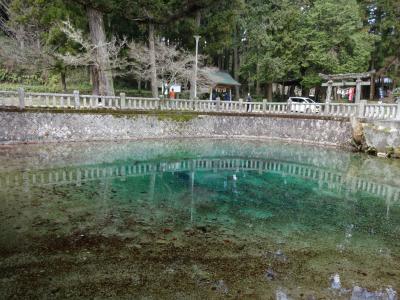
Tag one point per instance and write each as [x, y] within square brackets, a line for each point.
[172, 65]
[87, 55]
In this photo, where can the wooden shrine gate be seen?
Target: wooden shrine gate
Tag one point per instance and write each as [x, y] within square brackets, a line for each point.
[342, 80]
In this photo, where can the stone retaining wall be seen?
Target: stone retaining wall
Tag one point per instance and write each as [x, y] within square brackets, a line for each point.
[382, 137]
[24, 126]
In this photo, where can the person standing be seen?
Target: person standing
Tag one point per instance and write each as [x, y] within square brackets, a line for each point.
[351, 94]
[172, 94]
[249, 99]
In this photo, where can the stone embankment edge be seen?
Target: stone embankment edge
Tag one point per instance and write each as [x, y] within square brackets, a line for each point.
[182, 117]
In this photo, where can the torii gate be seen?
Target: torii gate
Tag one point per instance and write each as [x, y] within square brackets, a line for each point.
[342, 77]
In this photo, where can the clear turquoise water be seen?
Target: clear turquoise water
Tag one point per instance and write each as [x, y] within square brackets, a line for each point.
[197, 219]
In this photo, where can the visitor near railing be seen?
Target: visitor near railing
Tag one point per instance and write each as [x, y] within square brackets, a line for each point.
[363, 109]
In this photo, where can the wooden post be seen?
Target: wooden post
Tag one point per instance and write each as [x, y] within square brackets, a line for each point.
[123, 100]
[77, 103]
[329, 91]
[361, 108]
[21, 97]
[358, 90]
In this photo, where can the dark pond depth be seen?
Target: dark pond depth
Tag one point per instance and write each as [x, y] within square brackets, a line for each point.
[197, 219]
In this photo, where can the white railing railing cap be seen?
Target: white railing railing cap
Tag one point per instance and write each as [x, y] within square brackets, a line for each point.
[48, 94]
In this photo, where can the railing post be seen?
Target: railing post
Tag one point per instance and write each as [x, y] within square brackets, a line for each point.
[240, 105]
[329, 91]
[358, 90]
[398, 111]
[327, 108]
[77, 102]
[361, 108]
[264, 107]
[218, 104]
[123, 100]
[21, 97]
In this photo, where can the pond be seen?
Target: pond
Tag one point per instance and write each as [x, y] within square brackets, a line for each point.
[197, 219]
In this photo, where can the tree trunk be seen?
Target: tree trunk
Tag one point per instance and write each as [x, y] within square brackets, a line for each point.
[268, 91]
[291, 90]
[193, 79]
[63, 81]
[305, 92]
[94, 74]
[236, 63]
[152, 48]
[226, 60]
[372, 88]
[317, 93]
[258, 87]
[249, 83]
[98, 36]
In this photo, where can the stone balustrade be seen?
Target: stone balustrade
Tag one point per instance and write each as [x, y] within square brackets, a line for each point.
[363, 109]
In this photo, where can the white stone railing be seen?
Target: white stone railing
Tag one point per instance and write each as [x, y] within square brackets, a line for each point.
[20, 99]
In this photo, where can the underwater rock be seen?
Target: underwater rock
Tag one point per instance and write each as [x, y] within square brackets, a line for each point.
[200, 275]
[167, 230]
[221, 287]
[280, 256]
[270, 274]
[335, 282]
[391, 293]
[280, 295]
[202, 228]
[359, 293]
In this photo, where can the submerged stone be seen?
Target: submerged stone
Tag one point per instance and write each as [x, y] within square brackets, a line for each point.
[269, 274]
[335, 282]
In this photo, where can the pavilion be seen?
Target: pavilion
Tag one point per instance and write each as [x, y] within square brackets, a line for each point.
[221, 82]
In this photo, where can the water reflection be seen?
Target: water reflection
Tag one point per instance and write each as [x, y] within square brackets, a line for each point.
[326, 179]
[197, 219]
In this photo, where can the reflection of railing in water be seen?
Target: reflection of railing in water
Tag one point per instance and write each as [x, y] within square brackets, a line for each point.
[333, 180]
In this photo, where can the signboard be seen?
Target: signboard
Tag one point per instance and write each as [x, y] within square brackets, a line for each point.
[176, 87]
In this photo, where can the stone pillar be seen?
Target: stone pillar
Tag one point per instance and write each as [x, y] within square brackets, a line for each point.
[240, 104]
[398, 111]
[326, 109]
[218, 104]
[329, 91]
[361, 108]
[358, 90]
[77, 103]
[123, 100]
[264, 105]
[21, 97]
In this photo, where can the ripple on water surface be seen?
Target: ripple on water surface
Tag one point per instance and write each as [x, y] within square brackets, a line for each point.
[198, 219]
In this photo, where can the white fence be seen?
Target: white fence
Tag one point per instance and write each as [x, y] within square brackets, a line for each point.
[20, 99]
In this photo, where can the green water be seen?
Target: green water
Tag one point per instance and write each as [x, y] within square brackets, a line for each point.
[197, 219]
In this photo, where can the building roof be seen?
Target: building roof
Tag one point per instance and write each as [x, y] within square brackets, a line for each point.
[222, 78]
